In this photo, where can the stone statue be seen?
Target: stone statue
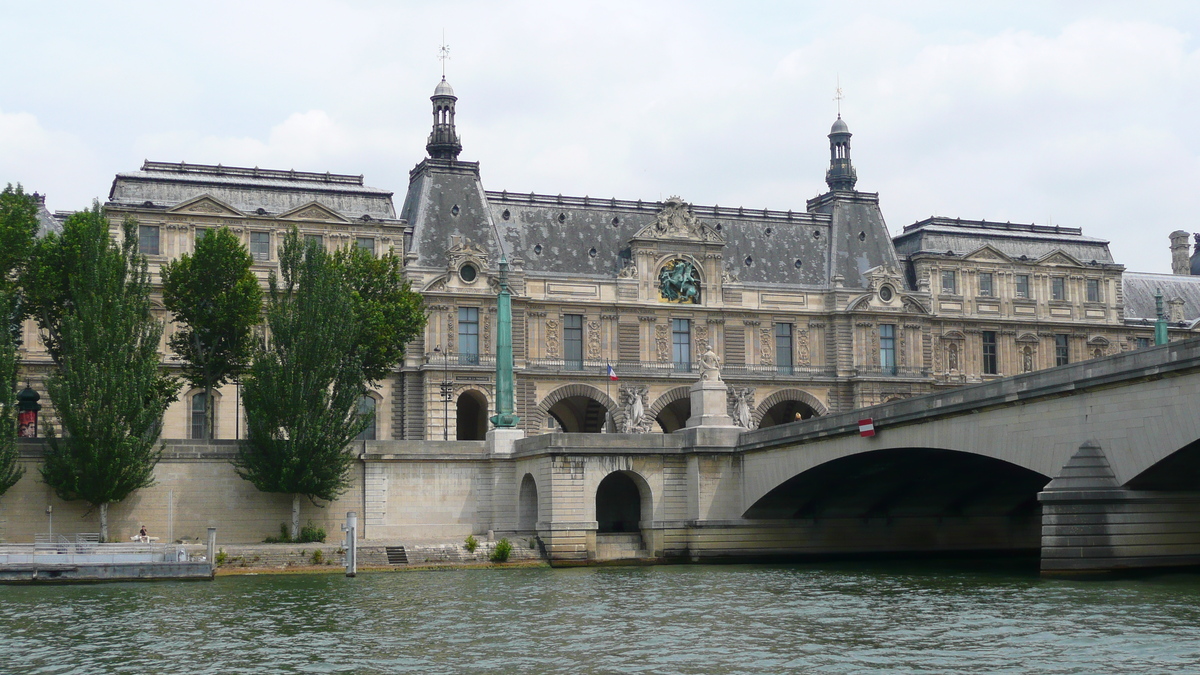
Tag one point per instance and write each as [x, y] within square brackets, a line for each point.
[635, 411]
[741, 407]
[710, 366]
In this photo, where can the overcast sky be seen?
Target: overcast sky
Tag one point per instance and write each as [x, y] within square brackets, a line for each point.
[1083, 114]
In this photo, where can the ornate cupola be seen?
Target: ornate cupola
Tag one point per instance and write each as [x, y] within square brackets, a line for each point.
[443, 141]
[841, 175]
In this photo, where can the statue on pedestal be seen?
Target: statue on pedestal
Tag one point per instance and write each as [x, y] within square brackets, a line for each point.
[710, 366]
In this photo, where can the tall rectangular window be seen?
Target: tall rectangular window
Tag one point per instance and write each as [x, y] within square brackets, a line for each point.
[887, 348]
[1144, 343]
[989, 353]
[783, 348]
[201, 233]
[573, 341]
[468, 335]
[1093, 290]
[1058, 288]
[148, 239]
[681, 345]
[1062, 350]
[198, 408]
[366, 243]
[1022, 285]
[950, 282]
[260, 245]
[320, 240]
[985, 284]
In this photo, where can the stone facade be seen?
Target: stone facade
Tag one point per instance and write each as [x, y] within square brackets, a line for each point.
[810, 311]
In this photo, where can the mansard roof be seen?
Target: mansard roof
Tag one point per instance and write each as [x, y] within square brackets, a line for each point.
[938, 235]
[166, 184]
[568, 228]
[1140, 287]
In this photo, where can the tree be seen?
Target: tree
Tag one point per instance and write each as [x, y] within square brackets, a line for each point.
[18, 228]
[216, 300]
[303, 389]
[108, 387]
[389, 313]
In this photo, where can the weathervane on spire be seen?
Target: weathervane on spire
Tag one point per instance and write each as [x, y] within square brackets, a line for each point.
[839, 96]
[444, 54]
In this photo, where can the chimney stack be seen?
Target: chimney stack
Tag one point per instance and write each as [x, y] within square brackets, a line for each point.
[1180, 263]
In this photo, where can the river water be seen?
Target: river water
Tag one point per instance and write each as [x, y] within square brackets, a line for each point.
[907, 617]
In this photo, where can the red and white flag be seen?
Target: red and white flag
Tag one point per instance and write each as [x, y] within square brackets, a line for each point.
[612, 374]
[866, 427]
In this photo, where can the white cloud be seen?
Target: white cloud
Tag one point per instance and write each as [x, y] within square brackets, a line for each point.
[54, 163]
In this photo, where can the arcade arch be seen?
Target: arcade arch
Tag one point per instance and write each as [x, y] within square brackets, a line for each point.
[787, 405]
[622, 501]
[527, 504]
[672, 410]
[579, 408]
[471, 416]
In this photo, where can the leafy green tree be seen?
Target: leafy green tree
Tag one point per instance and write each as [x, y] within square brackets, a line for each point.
[216, 300]
[18, 227]
[108, 389]
[303, 389]
[390, 314]
[10, 473]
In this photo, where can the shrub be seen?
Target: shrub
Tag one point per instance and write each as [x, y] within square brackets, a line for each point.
[502, 551]
[318, 558]
[310, 533]
[471, 543]
[221, 557]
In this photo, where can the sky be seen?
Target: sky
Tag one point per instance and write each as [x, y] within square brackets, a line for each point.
[1079, 114]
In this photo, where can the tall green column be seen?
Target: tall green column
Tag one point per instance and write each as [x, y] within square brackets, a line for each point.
[504, 417]
[1160, 326]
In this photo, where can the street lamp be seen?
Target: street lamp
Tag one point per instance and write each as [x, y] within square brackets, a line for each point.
[446, 392]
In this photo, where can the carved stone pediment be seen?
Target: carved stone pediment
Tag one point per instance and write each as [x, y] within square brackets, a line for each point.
[676, 222]
[313, 211]
[206, 205]
[463, 250]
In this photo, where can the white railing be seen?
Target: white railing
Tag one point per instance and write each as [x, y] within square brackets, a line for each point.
[60, 550]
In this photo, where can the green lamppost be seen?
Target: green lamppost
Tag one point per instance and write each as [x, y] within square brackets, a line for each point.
[1160, 326]
[504, 417]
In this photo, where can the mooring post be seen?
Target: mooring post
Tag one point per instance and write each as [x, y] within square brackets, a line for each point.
[351, 543]
[212, 548]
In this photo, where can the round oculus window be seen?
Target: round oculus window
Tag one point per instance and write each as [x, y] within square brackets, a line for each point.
[886, 293]
[467, 273]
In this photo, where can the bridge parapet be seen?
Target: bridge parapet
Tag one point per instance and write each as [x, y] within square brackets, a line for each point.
[1177, 358]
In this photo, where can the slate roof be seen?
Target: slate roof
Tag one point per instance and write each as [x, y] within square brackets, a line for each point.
[48, 222]
[939, 235]
[166, 184]
[557, 235]
[1140, 288]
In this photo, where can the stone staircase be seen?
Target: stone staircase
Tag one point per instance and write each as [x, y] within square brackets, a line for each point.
[620, 546]
[396, 555]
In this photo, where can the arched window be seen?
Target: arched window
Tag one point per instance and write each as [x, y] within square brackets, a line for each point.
[366, 406]
[199, 428]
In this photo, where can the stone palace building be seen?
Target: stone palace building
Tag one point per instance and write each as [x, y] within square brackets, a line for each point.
[810, 311]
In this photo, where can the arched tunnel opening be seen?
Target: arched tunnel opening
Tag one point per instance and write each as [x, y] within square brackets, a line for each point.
[911, 500]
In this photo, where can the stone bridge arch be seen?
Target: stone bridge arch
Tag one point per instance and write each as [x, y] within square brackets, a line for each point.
[784, 396]
[661, 403]
[574, 393]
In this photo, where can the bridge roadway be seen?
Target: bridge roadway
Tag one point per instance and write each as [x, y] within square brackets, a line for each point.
[1096, 464]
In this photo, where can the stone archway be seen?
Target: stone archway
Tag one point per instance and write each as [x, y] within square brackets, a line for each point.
[471, 412]
[577, 408]
[622, 502]
[527, 504]
[782, 406]
[672, 410]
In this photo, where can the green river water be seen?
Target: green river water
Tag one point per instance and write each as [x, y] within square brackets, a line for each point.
[897, 617]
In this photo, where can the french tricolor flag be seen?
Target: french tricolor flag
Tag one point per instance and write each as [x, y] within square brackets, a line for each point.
[612, 374]
[866, 427]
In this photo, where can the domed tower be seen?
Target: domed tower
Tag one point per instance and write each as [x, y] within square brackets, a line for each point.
[841, 175]
[443, 141]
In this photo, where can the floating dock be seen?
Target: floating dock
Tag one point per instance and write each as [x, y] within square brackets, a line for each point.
[63, 560]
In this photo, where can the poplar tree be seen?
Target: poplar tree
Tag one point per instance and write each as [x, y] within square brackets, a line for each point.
[303, 389]
[216, 302]
[389, 313]
[18, 227]
[91, 298]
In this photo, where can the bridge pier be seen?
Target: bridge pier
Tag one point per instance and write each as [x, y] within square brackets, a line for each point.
[1092, 525]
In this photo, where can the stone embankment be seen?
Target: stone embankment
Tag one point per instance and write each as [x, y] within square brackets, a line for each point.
[235, 558]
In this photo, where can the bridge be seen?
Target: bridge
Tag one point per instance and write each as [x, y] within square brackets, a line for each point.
[1094, 465]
